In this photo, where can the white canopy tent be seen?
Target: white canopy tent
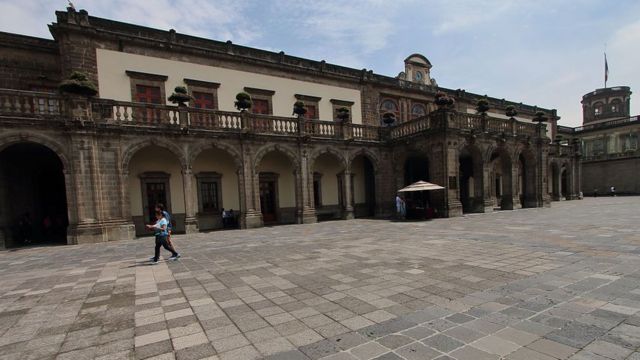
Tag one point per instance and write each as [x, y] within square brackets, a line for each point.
[421, 186]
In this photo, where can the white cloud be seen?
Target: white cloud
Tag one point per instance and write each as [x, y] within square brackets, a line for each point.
[222, 19]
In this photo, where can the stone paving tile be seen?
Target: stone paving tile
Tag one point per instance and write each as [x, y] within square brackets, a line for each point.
[417, 351]
[563, 287]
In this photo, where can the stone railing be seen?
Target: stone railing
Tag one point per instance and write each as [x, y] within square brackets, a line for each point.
[607, 124]
[29, 103]
[463, 122]
[38, 105]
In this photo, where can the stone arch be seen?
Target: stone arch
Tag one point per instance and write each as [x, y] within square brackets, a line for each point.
[369, 155]
[274, 183]
[471, 177]
[266, 149]
[366, 176]
[525, 160]
[566, 179]
[7, 140]
[197, 149]
[41, 184]
[554, 183]
[328, 150]
[500, 160]
[132, 149]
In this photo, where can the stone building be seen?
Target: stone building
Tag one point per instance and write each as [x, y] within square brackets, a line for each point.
[100, 164]
[609, 141]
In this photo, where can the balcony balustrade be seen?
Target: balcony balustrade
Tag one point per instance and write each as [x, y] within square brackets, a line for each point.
[51, 106]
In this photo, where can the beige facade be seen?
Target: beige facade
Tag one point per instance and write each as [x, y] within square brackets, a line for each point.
[114, 156]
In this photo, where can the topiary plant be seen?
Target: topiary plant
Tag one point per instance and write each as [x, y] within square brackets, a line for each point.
[482, 106]
[78, 83]
[299, 109]
[180, 96]
[389, 118]
[540, 117]
[510, 111]
[443, 100]
[343, 113]
[243, 101]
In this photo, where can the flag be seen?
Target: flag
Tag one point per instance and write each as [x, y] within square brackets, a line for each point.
[606, 70]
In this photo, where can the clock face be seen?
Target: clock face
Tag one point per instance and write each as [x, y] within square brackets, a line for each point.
[418, 75]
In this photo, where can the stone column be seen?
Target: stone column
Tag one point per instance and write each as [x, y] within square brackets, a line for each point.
[487, 200]
[190, 201]
[306, 209]
[252, 217]
[347, 213]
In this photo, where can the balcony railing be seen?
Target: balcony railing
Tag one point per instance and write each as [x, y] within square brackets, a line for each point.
[29, 103]
[36, 105]
[463, 122]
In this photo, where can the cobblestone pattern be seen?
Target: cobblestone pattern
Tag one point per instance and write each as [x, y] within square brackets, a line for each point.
[558, 283]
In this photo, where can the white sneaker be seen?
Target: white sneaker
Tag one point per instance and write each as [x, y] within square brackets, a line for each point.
[174, 258]
[151, 258]
[154, 262]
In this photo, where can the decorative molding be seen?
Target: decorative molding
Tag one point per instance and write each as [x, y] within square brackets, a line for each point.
[307, 98]
[200, 83]
[146, 76]
[341, 102]
[256, 91]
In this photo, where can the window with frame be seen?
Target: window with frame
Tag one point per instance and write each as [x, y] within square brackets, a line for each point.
[338, 104]
[418, 110]
[615, 106]
[629, 142]
[148, 94]
[209, 192]
[204, 94]
[147, 88]
[311, 104]
[262, 100]
[597, 109]
[203, 100]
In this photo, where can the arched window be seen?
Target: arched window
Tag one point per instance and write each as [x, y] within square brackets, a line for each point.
[418, 110]
[615, 105]
[597, 109]
[390, 106]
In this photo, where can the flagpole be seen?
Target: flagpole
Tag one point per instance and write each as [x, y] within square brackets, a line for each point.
[606, 66]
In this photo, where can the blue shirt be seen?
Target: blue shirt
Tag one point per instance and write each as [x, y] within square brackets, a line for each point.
[158, 227]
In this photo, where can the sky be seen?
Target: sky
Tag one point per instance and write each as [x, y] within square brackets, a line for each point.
[540, 52]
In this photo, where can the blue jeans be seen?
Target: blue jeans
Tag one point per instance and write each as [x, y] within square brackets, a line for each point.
[161, 241]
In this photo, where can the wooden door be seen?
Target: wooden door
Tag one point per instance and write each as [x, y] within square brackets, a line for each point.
[268, 205]
[156, 193]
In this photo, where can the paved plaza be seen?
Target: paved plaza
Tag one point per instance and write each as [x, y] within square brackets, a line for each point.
[531, 284]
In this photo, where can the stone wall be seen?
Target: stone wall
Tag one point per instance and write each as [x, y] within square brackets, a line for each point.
[602, 175]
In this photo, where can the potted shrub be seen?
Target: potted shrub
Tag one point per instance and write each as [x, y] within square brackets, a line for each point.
[180, 96]
[299, 109]
[482, 106]
[510, 111]
[243, 101]
[540, 117]
[78, 84]
[343, 114]
[443, 100]
[388, 118]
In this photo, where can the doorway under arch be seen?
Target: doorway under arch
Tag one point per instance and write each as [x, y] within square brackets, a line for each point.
[364, 186]
[33, 196]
